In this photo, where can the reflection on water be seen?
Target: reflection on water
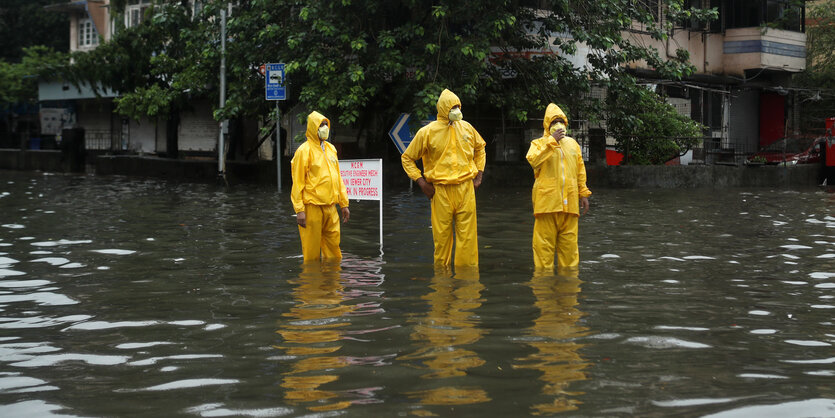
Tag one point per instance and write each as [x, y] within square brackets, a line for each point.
[314, 336]
[444, 335]
[554, 335]
[124, 297]
[319, 323]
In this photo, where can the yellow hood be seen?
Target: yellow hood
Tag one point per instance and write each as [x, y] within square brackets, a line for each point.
[314, 119]
[446, 101]
[552, 113]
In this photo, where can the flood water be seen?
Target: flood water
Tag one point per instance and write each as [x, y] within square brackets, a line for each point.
[130, 297]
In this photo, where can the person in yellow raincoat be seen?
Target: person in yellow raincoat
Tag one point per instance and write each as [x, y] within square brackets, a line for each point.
[453, 157]
[317, 188]
[559, 192]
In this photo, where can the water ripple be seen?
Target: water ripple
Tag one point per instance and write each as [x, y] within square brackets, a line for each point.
[806, 408]
[91, 359]
[41, 298]
[60, 242]
[190, 383]
[55, 261]
[7, 273]
[217, 410]
[665, 342]
[23, 283]
[39, 321]
[154, 360]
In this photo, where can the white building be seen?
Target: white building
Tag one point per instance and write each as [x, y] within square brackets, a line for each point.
[92, 23]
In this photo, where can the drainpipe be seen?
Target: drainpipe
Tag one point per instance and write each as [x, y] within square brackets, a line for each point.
[726, 116]
[221, 156]
[670, 36]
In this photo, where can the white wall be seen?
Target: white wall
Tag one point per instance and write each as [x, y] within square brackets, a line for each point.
[198, 131]
[143, 136]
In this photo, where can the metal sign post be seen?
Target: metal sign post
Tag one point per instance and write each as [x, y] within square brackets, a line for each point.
[275, 90]
[221, 145]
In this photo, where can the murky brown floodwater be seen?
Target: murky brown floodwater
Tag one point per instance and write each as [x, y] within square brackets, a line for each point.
[125, 297]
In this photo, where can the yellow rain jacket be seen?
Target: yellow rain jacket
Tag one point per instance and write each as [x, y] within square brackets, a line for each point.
[451, 153]
[558, 168]
[315, 170]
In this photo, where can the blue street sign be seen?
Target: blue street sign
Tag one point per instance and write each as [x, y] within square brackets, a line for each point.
[400, 133]
[274, 78]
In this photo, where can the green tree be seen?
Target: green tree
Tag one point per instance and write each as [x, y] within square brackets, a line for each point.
[26, 24]
[362, 62]
[19, 81]
[818, 99]
[147, 63]
[654, 132]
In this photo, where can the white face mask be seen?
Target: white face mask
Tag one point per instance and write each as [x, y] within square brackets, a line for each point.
[324, 132]
[556, 126]
[455, 115]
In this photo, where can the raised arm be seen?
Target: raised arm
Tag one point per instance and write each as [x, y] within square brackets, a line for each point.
[540, 151]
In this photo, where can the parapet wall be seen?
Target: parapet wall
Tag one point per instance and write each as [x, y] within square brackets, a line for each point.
[668, 177]
[701, 176]
[496, 175]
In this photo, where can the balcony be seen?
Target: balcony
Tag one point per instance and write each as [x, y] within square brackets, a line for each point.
[755, 48]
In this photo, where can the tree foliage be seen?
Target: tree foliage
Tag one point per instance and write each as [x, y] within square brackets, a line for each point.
[33, 43]
[361, 62]
[818, 100]
[19, 81]
[155, 66]
[653, 132]
[25, 23]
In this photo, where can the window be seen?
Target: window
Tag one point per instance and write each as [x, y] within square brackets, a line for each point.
[784, 14]
[135, 12]
[744, 14]
[87, 35]
[197, 8]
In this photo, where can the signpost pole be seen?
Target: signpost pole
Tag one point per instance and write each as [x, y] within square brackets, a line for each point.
[221, 157]
[381, 210]
[275, 90]
[278, 144]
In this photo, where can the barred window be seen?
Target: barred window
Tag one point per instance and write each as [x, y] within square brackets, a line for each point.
[135, 12]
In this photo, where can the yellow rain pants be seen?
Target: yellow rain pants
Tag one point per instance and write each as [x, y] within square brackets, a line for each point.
[453, 209]
[555, 233]
[322, 233]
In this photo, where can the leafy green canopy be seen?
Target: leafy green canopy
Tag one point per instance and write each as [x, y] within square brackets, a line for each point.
[157, 66]
[25, 23]
[654, 132]
[818, 102]
[19, 81]
[361, 62]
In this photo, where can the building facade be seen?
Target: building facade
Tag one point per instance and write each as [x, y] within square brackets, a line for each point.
[744, 60]
[64, 105]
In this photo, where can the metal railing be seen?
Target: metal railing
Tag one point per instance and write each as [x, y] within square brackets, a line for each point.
[98, 139]
[710, 150]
